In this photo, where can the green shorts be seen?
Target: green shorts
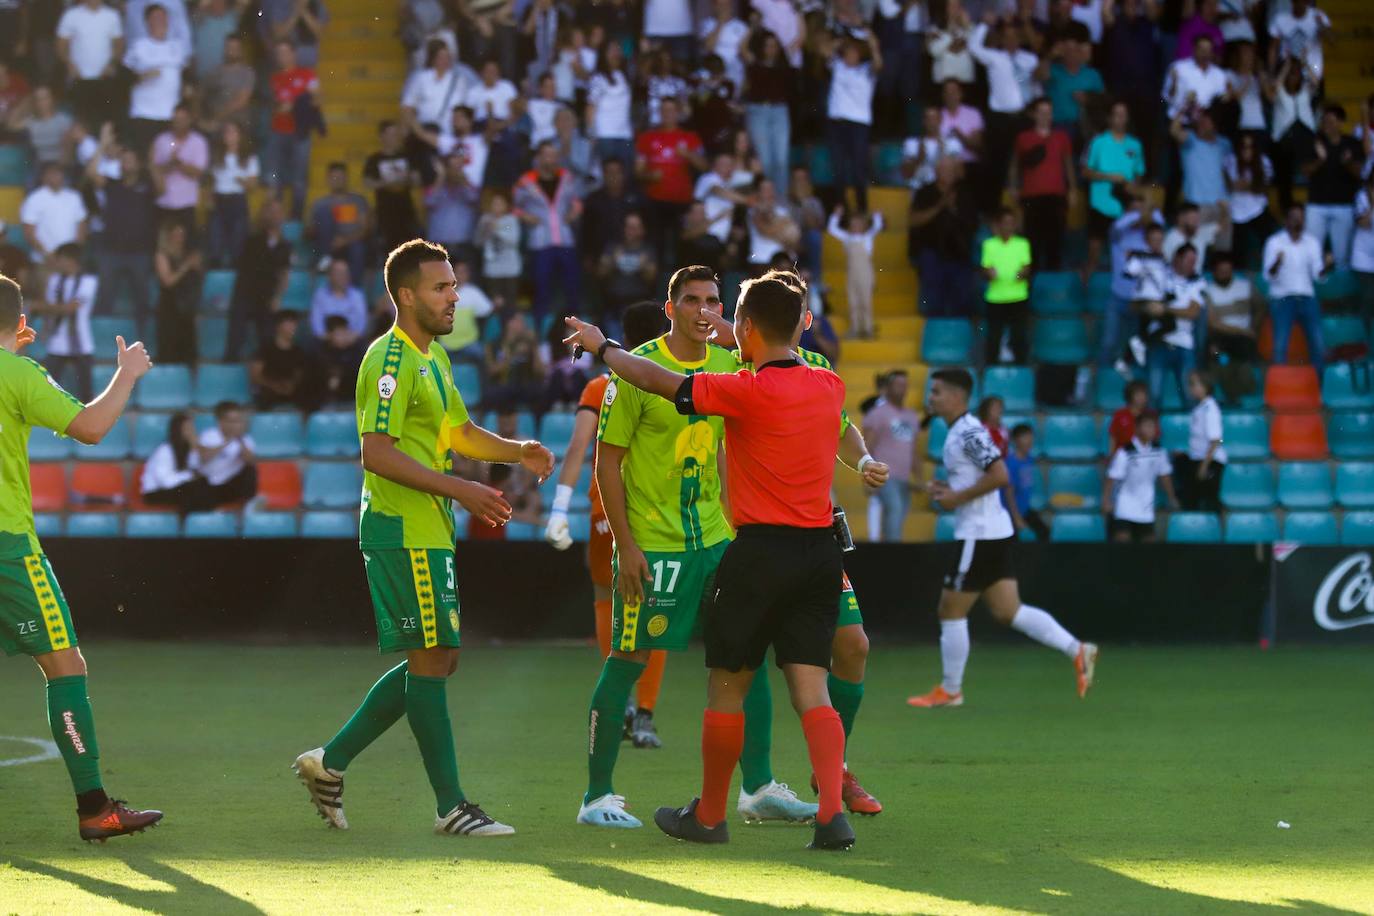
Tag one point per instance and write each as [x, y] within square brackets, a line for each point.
[34, 617]
[849, 606]
[678, 581]
[413, 597]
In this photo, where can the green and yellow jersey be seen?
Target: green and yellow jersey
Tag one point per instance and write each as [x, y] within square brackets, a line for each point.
[672, 485]
[408, 395]
[29, 397]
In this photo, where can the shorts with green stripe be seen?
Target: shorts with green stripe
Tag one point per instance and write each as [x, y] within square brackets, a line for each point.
[849, 606]
[413, 597]
[665, 619]
[34, 617]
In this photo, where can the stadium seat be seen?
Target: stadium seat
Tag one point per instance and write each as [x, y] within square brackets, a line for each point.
[1077, 528]
[1251, 528]
[1344, 387]
[211, 335]
[556, 429]
[98, 487]
[1298, 437]
[523, 531]
[215, 291]
[48, 486]
[15, 165]
[1304, 485]
[1193, 528]
[277, 435]
[150, 431]
[1015, 385]
[1355, 484]
[1245, 434]
[1099, 292]
[460, 524]
[293, 231]
[1292, 388]
[331, 434]
[1338, 286]
[1074, 486]
[1109, 390]
[46, 445]
[48, 524]
[467, 378]
[164, 388]
[1173, 431]
[329, 525]
[1357, 529]
[1056, 293]
[1317, 528]
[270, 525]
[1060, 340]
[524, 423]
[1247, 486]
[114, 447]
[1340, 330]
[93, 525]
[1071, 436]
[332, 485]
[1351, 433]
[580, 527]
[211, 525]
[215, 383]
[279, 484]
[944, 526]
[300, 286]
[103, 331]
[935, 439]
[947, 341]
[152, 525]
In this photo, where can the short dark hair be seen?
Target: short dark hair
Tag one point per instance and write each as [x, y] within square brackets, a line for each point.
[224, 408]
[284, 316]
[1004, 212]
[1153, 227]
[1188, 208]
[1132, 387]
[986, 404]
[432, 50]
[643, 321]
[1040, 100]
[1220, 257]
[1021, 429]
[148, 12]
[1204, 380]
[334, 322]
[774, 303]
[956, 378]
[402, 268]
[1335, 109]
[69, 250]
[1185, 248]
[684, 275]
[11, 303]
[1151, 416]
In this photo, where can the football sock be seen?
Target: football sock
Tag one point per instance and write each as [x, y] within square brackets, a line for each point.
[953, 653]
[646, 694]
[606, 722]
[603, 626]
[825, 743]
[846, 696]
[427, 712]
[384, 704]
[73, 728]
[722, 739]
[756, 759]
[1044, 629]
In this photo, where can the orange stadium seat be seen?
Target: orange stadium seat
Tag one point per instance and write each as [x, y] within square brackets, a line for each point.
[98, 487]
[279, 483]
[1298, 437]
[49, 485]
[1292, 388]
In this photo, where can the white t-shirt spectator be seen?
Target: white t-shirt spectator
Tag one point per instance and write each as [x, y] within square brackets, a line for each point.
[1246, 89]
[492, 101]
[542, 112]
[160, 473]
[1291, 109]
[782, 18]
[1302, 264]
[1184, 292]
[1247, 205]
[71, 334]
[229, 461]
[1186, 77]
[1202, 240]
[719, 211]
[434, 96]
[1136, 468]
[229, 174]
[946, 64]
[851, 92]
[1231, 305]
[1006, 72]
[969, 451]
[732, 35]
[154, 99]
[178, 23]
[667, 18]
[91, 35]
[350, 304]
[1299, 37]
[1090, 14]
[1204, 428]
[1362, 247]
[761, 247]
[935, 149]
[54, 215]
[474, 150]
[611, 97]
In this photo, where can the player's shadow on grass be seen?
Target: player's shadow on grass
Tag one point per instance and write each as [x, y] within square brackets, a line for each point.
[635, 888]
[188, 894]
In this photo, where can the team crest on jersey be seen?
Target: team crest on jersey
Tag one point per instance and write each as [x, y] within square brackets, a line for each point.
[453, 620]
[386, 386]
[424, 371]
[610, 393]
[658, 625]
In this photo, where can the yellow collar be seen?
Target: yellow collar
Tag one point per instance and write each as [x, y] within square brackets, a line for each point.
[694, 364]
[396, 329]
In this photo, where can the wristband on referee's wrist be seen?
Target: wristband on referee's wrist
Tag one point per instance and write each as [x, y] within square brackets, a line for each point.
[601, 350]
[864, 462]
[562, 498]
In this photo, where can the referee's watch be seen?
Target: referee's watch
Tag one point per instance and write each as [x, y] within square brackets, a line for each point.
[608, 342]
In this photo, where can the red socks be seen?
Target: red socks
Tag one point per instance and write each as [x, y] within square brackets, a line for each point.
[825, 742]
[603, 626]
[722, 740]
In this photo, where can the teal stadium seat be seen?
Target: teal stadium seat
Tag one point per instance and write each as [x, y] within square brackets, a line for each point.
[48, 524]
[215, 383]
[211, 335]
[1357, 529]
[45, 445]
[1109, 390]
[215, 291]
[1193, 528]
[332, 485]
[1251, 528]
[944, 526]
[580, 527]
[329, 525]
[1255, 399]
[150, 431]
[467, 378]
[556, 429]
[523, 531]
[1060, 340]
[1246, 435]
[277, 435]
[270, 525]
[1339, 330]
[1338, 286]
[935, 440]
[293, 231]
[116, 445]
[1355, 484]
[1056, 293]
[947, 341]
[1342, 389]
[461, 521]
[93, 525]
[300, 287]
[1099, 292]
[104, 329]
[152, 525]
[1304, 485]
[1350, 433]
[524, 423]
[1247, 486]
[1078, 528]
[1173, 431]
[1072, 437]
[1318, 528]
[211, 525]
[1015, 385]
[15, 168]
[1074, 486]
[164, 388]
[331, 434]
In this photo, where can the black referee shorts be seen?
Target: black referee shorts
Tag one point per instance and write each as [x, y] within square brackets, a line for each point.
[775, 586]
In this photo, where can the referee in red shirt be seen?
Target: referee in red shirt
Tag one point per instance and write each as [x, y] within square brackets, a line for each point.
[779, 581]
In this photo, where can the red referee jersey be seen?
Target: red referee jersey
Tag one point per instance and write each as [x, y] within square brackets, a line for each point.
[782, 429]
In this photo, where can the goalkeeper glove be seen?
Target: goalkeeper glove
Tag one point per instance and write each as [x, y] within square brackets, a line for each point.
[556, 532]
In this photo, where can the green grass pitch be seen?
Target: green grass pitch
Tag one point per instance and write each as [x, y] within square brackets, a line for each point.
[1159, 794]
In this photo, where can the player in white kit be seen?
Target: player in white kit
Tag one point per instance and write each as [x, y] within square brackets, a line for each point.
[986, 535]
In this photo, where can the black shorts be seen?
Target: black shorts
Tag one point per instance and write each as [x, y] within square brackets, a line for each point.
[775, 586]
[979, 564]
[1099, 225]
[1138, 531]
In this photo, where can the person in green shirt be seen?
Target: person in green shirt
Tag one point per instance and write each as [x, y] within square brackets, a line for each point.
[34, 617]
[411, 420]
[1006, 263]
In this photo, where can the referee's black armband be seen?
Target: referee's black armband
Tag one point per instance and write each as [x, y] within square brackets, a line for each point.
[683, 398]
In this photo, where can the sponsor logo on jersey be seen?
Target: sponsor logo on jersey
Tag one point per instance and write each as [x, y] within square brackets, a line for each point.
[658, 625]
[1346, 596]
[611, 392]
[386, 386]
[424, 371]
[453, 620]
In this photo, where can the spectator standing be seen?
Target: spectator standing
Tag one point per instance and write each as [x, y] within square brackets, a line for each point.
[1007, 67]
[1128, 236]
[300, 23]
[1115, 163]
[768, 80]
[1200, 469]
[605, 209]
[1300, 32]
[576, 153]
[1022, 475]
[1293, 262]
[541, 110]
[177, 265]
[66, 313]
[180, 157]
[849, 109]
[452, 205]
[260, 280]
[490, 32]
[669, 23]
[90, 41]
[391, 173]
[1362, 251]
[665, 158]
[1170, 342]
[1204, 23]
[234, 171]
[432, 92]
[1234, 311]
[1043, 179]
[697, 245]
[14, 94]
[1249, 175]
[1070, 82]
[1006, 263]
[1246, 84]
[491, 96]
[156, 59]
[724, 34]
[228, 456]
[890, 430]
[129, 211]
[171, 476]
[1122, 429]
[1130, 60]
[608, 107]
[961, 122]
[279, 372]
[340, 354]
[628, 273]
[1128, 491]
[660, 78]
[1333, 179]
[942, 223]
[137, 23]
[1190, 229]
[1293, 126]
[227, 91]
[809, 215]
[498, 232]
[948, 44]
[783, 19]
[49, 129]
[53, 215]
[566, 376]
[212, 24]
[1203, 152]
[336, 295]
[856, 235]
[990, 412]
[515, 375]
[340, 223]
[464, 342]
[921, 152]
[547, 203]
[288, 140]
[771, 229]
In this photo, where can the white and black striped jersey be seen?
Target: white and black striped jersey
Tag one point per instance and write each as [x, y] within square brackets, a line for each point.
[969, 452]
[1136, 466]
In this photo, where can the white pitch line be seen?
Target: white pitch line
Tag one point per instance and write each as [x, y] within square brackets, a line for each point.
[46, 751]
